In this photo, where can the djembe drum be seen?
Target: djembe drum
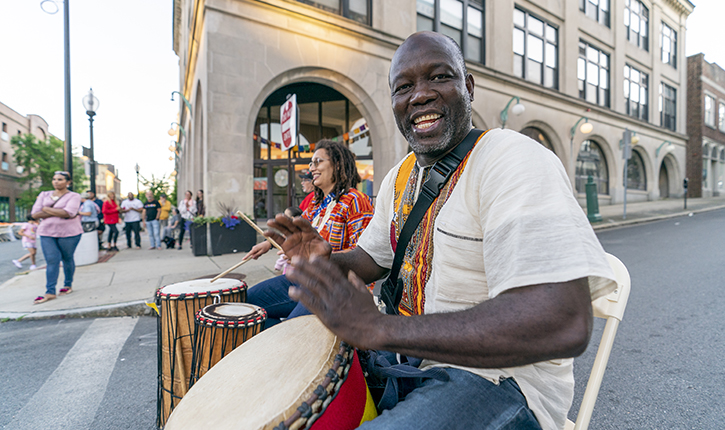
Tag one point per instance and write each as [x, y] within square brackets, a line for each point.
[220, 328]
[294, 375]
[177, 305]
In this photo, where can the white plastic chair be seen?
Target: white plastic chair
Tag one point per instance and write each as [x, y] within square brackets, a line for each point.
[610, 307]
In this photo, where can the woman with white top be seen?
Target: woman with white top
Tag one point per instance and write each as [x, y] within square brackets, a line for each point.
[187, 210]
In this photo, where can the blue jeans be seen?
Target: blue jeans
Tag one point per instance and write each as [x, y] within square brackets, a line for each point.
[154, 233]
[56, 249]
[466, 401]
[273, 296]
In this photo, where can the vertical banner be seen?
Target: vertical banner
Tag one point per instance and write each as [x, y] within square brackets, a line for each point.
[288, 115]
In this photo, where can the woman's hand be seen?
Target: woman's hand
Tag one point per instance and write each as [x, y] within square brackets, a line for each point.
[258, 250]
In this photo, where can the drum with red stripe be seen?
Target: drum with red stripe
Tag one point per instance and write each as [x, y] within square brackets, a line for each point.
[295, 375]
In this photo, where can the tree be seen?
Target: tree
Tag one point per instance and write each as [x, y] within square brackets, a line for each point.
[155, 185]
[39, 161]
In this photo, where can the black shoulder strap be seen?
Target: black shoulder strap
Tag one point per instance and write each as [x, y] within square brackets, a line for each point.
[391, 291]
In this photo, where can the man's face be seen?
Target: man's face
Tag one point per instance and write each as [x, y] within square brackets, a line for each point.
[149, 195]
[91, 195]
[130, 196]
[307, 186]
[431, 95]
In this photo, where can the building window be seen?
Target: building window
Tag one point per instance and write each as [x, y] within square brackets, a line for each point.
[636, 178]
[535, 49]
[4, 209]
[593, 74]
[636, 21]
[591, 162]
[455, 18]
[4, 133]
[4, 164]
[669, 45]
[721, 117]
[356, 10]
[668, 107]
[636, 95]
[709, 111]
[598, 10]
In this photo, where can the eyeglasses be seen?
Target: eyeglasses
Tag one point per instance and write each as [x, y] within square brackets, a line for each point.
[316, 161]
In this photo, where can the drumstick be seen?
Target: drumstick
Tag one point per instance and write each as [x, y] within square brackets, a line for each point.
[247, 258]
[259, 230]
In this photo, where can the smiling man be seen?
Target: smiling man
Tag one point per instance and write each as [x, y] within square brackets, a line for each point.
[497, 279]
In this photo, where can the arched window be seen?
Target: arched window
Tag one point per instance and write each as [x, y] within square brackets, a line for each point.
[538, 136]
[636, 178]
[324, 113]
[591, 162]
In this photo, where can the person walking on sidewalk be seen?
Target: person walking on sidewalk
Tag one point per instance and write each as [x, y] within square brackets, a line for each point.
[151, 213]
[28, 232]
[165, 211]
[131, 209]
[110, 216]
[187, 210]
[60, 231]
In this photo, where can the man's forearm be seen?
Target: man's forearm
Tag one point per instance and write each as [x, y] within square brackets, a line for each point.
[493, 334]
[360, 262]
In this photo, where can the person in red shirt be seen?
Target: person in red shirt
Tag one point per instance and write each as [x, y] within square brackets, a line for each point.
[307, 187]
[110, 218]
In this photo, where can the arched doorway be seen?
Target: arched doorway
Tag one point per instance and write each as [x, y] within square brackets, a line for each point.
[539, 136]
[664, 181]
[324, 113]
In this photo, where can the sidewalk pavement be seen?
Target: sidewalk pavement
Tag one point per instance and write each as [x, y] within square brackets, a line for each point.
[122, 285]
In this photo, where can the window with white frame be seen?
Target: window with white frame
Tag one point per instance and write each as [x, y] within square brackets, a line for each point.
[636, 22]
[598, 10]
[668, 107]
[357, 10]
[636, 94]
[669, 45]
[593, 74]
[535, 49]
[709, 111]
[721, 117]
[455, 18]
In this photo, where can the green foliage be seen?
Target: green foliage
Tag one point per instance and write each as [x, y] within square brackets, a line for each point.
[39, 160]
[173, 197]
[201, 220]
[156, 186]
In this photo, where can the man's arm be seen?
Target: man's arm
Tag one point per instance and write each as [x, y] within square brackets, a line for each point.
[521, 326]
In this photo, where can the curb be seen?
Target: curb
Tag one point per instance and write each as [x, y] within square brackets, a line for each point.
[129, 309]
[627, 223]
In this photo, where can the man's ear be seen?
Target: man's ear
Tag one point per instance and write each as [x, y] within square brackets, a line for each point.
[470, 85]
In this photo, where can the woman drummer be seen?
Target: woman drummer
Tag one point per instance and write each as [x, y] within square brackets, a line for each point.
[339, 213]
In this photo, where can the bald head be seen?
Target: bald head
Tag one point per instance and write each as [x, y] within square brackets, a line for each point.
[415, 40]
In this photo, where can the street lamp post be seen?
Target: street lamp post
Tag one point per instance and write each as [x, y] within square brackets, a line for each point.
[586, 128]
[138, 192]
[91, 103]
[517, 110]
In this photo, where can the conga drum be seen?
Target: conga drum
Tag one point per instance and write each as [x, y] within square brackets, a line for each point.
[295, 375]
[219, 329]
[177, 305]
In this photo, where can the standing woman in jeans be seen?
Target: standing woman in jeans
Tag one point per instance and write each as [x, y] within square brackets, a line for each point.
[187, 210]
[60, 231]
[110, 216]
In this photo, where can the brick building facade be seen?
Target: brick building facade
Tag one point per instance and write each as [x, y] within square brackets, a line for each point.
[706, 127]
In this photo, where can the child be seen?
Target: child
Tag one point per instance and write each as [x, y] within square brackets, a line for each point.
[28, 233]
[283, 261]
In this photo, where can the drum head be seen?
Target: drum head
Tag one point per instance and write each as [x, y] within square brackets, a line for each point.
[231, 313]
[263, 381]
[200, 286]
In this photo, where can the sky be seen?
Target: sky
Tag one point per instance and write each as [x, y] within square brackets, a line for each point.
[124, 51]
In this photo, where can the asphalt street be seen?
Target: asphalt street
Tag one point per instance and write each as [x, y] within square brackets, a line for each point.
[666, 368]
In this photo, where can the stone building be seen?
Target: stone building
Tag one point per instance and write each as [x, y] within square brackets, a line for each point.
[614, 64]
[13, 124]
[106, 178]
[706, 127]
